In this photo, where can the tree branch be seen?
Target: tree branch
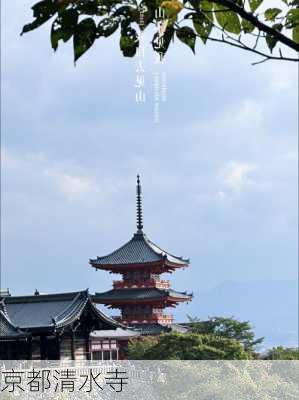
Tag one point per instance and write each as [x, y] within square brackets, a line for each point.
[238, 43]
[243, 46]
[257, 23]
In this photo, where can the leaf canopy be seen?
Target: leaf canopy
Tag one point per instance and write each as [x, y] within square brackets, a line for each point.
[224, 21]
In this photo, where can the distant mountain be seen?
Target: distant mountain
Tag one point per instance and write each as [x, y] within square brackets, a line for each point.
[271, 307]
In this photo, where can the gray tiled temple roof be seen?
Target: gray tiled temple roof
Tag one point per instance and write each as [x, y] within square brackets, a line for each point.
[51, 310]
[139, 294]
[7, 328]
[138, 250]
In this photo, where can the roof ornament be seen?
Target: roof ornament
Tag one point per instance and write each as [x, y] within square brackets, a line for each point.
[139, 206]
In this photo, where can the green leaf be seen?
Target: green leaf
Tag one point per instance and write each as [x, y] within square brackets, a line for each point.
[228, 20]
[107, 26]
[187, 36]
[172, 8]
[292, 18]
[127, 12]
[201, 4]
[128, 41]
[272, 40]
[63, 27]
[254, 4]
[295, 34]
[277, 27]
[44, 8]
[84, 37]
[206, 6]
[272, 13]
[89, 7]
[146, 14]
[203, 26]
[42, 12]
[247, 26]
[160, 45]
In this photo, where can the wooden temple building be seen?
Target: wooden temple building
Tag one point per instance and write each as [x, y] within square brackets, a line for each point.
[141, 295]
[64, 326]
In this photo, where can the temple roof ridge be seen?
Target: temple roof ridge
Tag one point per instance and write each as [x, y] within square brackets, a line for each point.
[44, 297]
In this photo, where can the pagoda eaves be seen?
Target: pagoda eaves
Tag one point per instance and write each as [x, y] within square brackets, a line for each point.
[139, 251]
[143, 295]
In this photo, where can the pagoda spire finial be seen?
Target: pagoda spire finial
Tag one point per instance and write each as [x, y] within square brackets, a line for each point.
[139, 206]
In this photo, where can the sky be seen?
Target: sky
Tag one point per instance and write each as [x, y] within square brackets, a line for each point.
[219, 170]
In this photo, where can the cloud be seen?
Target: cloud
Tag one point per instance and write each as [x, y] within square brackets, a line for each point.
[237, 175]
[36, 177]
[72, 186]
[38, 168]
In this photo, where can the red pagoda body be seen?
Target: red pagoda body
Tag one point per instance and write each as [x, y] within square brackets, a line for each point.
[141, 295]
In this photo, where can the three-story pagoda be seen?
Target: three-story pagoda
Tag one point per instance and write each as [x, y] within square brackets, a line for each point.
[141, 295]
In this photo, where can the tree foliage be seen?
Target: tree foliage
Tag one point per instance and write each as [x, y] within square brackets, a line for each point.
[246, 24]
[282, 353]
[229, 328]
[186, 346]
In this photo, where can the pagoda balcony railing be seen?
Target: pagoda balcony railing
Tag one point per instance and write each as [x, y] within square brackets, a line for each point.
[157, 283]
[145, 319]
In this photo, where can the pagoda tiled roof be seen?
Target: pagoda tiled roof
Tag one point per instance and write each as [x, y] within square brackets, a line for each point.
[50, 311]
[139, 250]
[139, 294]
